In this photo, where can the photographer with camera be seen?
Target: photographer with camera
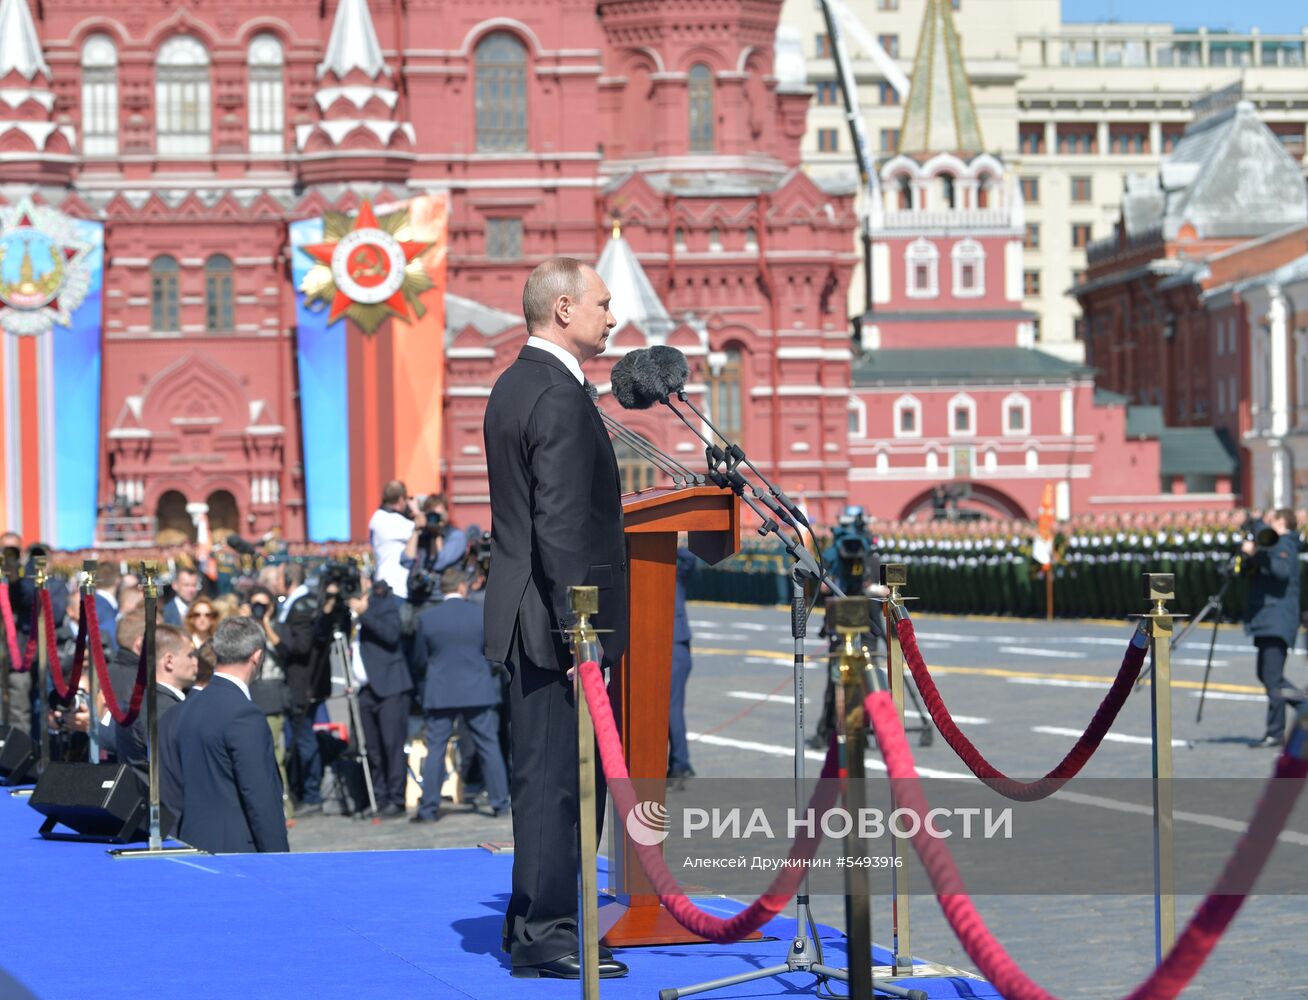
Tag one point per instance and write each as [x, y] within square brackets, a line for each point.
[269, 691]
[390, 530]
[1271, 561]
[380, 672]
[435, 543]
[298, 643]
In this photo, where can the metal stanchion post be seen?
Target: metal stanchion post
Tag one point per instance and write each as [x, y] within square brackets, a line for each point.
[1159, 589]
[149, 571]
[849, 616]
[585, 602]
[894, 576]
[89, 568]
[11, 577]
[154, 848]
[42, 666]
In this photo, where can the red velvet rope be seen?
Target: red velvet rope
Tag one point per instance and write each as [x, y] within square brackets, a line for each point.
[11, 631]
[29, 654]
[64, 687]
[1068, 767]
[670, 893]
[1195, 943]
[92, 632]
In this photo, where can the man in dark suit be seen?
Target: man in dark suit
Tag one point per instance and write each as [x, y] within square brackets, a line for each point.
[306, 658]
[1272, 618]
[107, 578]
[185, 585]
[175, 668]
[385, 686]
[459, 683]
[556, 514]
[231, 792]
[679, 768]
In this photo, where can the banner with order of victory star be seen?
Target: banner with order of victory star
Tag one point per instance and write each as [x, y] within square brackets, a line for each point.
[51, 286]
[370, 327]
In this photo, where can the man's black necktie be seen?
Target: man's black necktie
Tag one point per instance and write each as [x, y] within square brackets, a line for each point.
[591, 390]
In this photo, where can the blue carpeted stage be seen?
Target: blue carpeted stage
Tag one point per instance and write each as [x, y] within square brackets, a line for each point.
[401, 924]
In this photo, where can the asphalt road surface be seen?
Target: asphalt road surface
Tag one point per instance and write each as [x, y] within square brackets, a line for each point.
[1023, 691]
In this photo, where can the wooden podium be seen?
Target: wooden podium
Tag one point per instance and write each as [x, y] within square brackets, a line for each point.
[643, 684]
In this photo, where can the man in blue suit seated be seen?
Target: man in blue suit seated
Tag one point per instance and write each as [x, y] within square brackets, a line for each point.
[459, 683]
[231, 791]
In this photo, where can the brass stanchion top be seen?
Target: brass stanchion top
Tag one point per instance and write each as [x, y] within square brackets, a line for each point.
[584, 600]
[848, 615]
[89, 568]
[149, 574]
[41, 577]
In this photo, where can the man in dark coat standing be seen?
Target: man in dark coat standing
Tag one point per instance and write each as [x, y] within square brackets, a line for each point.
[231, 791]
[460, 683]
[175, 669]
[1272, 618]
[383, 693]
[306, 658]
[556, 515]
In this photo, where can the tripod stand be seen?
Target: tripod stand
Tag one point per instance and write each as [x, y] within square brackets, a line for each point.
[342, 660]
[804, 954]
[1213, 606]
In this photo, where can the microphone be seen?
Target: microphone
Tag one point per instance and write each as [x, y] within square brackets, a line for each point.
[631, 385]
[680, 475]
[239, 545]
[669, 372]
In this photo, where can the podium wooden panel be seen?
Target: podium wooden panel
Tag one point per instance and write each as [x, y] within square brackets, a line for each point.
[643, 685]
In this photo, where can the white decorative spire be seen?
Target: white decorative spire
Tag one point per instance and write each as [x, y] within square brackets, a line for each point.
[353, 42]
[633, 296]
[20, 48]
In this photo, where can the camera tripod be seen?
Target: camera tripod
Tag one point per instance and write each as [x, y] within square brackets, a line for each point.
[342, 659]
[1212, 606]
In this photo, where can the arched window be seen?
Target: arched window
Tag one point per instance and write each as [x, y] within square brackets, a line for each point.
[948, 196]
[962, 415]
[1017, 414]
[700, 86]
[501, 94]
[922, 264]
[751, 238]
[163, 295]
[905, 188]
[181, 97]
[908, 417]
[266, 115]
[99, 97]
[724, 395]
[218, 294]
[969, 260]
[715, 238]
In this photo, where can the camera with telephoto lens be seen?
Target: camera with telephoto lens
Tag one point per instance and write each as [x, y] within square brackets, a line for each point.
[1261, 534]
[344, 576]
[484, 551]
[853, 547]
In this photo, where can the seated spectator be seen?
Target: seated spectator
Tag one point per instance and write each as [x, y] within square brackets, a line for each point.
[231, 795]
[175, 668]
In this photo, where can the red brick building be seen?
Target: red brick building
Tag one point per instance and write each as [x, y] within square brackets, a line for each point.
[197, 133]
[1167, 315]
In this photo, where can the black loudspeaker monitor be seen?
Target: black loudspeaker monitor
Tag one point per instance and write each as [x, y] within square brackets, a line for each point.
[17, 757]
[100, 802]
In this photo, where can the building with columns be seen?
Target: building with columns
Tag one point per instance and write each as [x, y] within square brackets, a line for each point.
[1072, 108]
[1184, 310]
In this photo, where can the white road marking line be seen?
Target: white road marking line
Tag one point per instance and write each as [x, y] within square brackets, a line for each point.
[752, 627]
[1229, 696]
[970, 720]
[1055, 682]
[1186, 661]
[1050, 653]
[785, 699]
[1101, 802]
[1108, 737]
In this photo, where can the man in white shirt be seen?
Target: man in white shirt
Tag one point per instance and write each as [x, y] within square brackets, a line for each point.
[175, 669]
[389, 532]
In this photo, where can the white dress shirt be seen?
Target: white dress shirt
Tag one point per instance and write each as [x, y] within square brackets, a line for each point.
[245, 688]
[573, 365]
[388, 532]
